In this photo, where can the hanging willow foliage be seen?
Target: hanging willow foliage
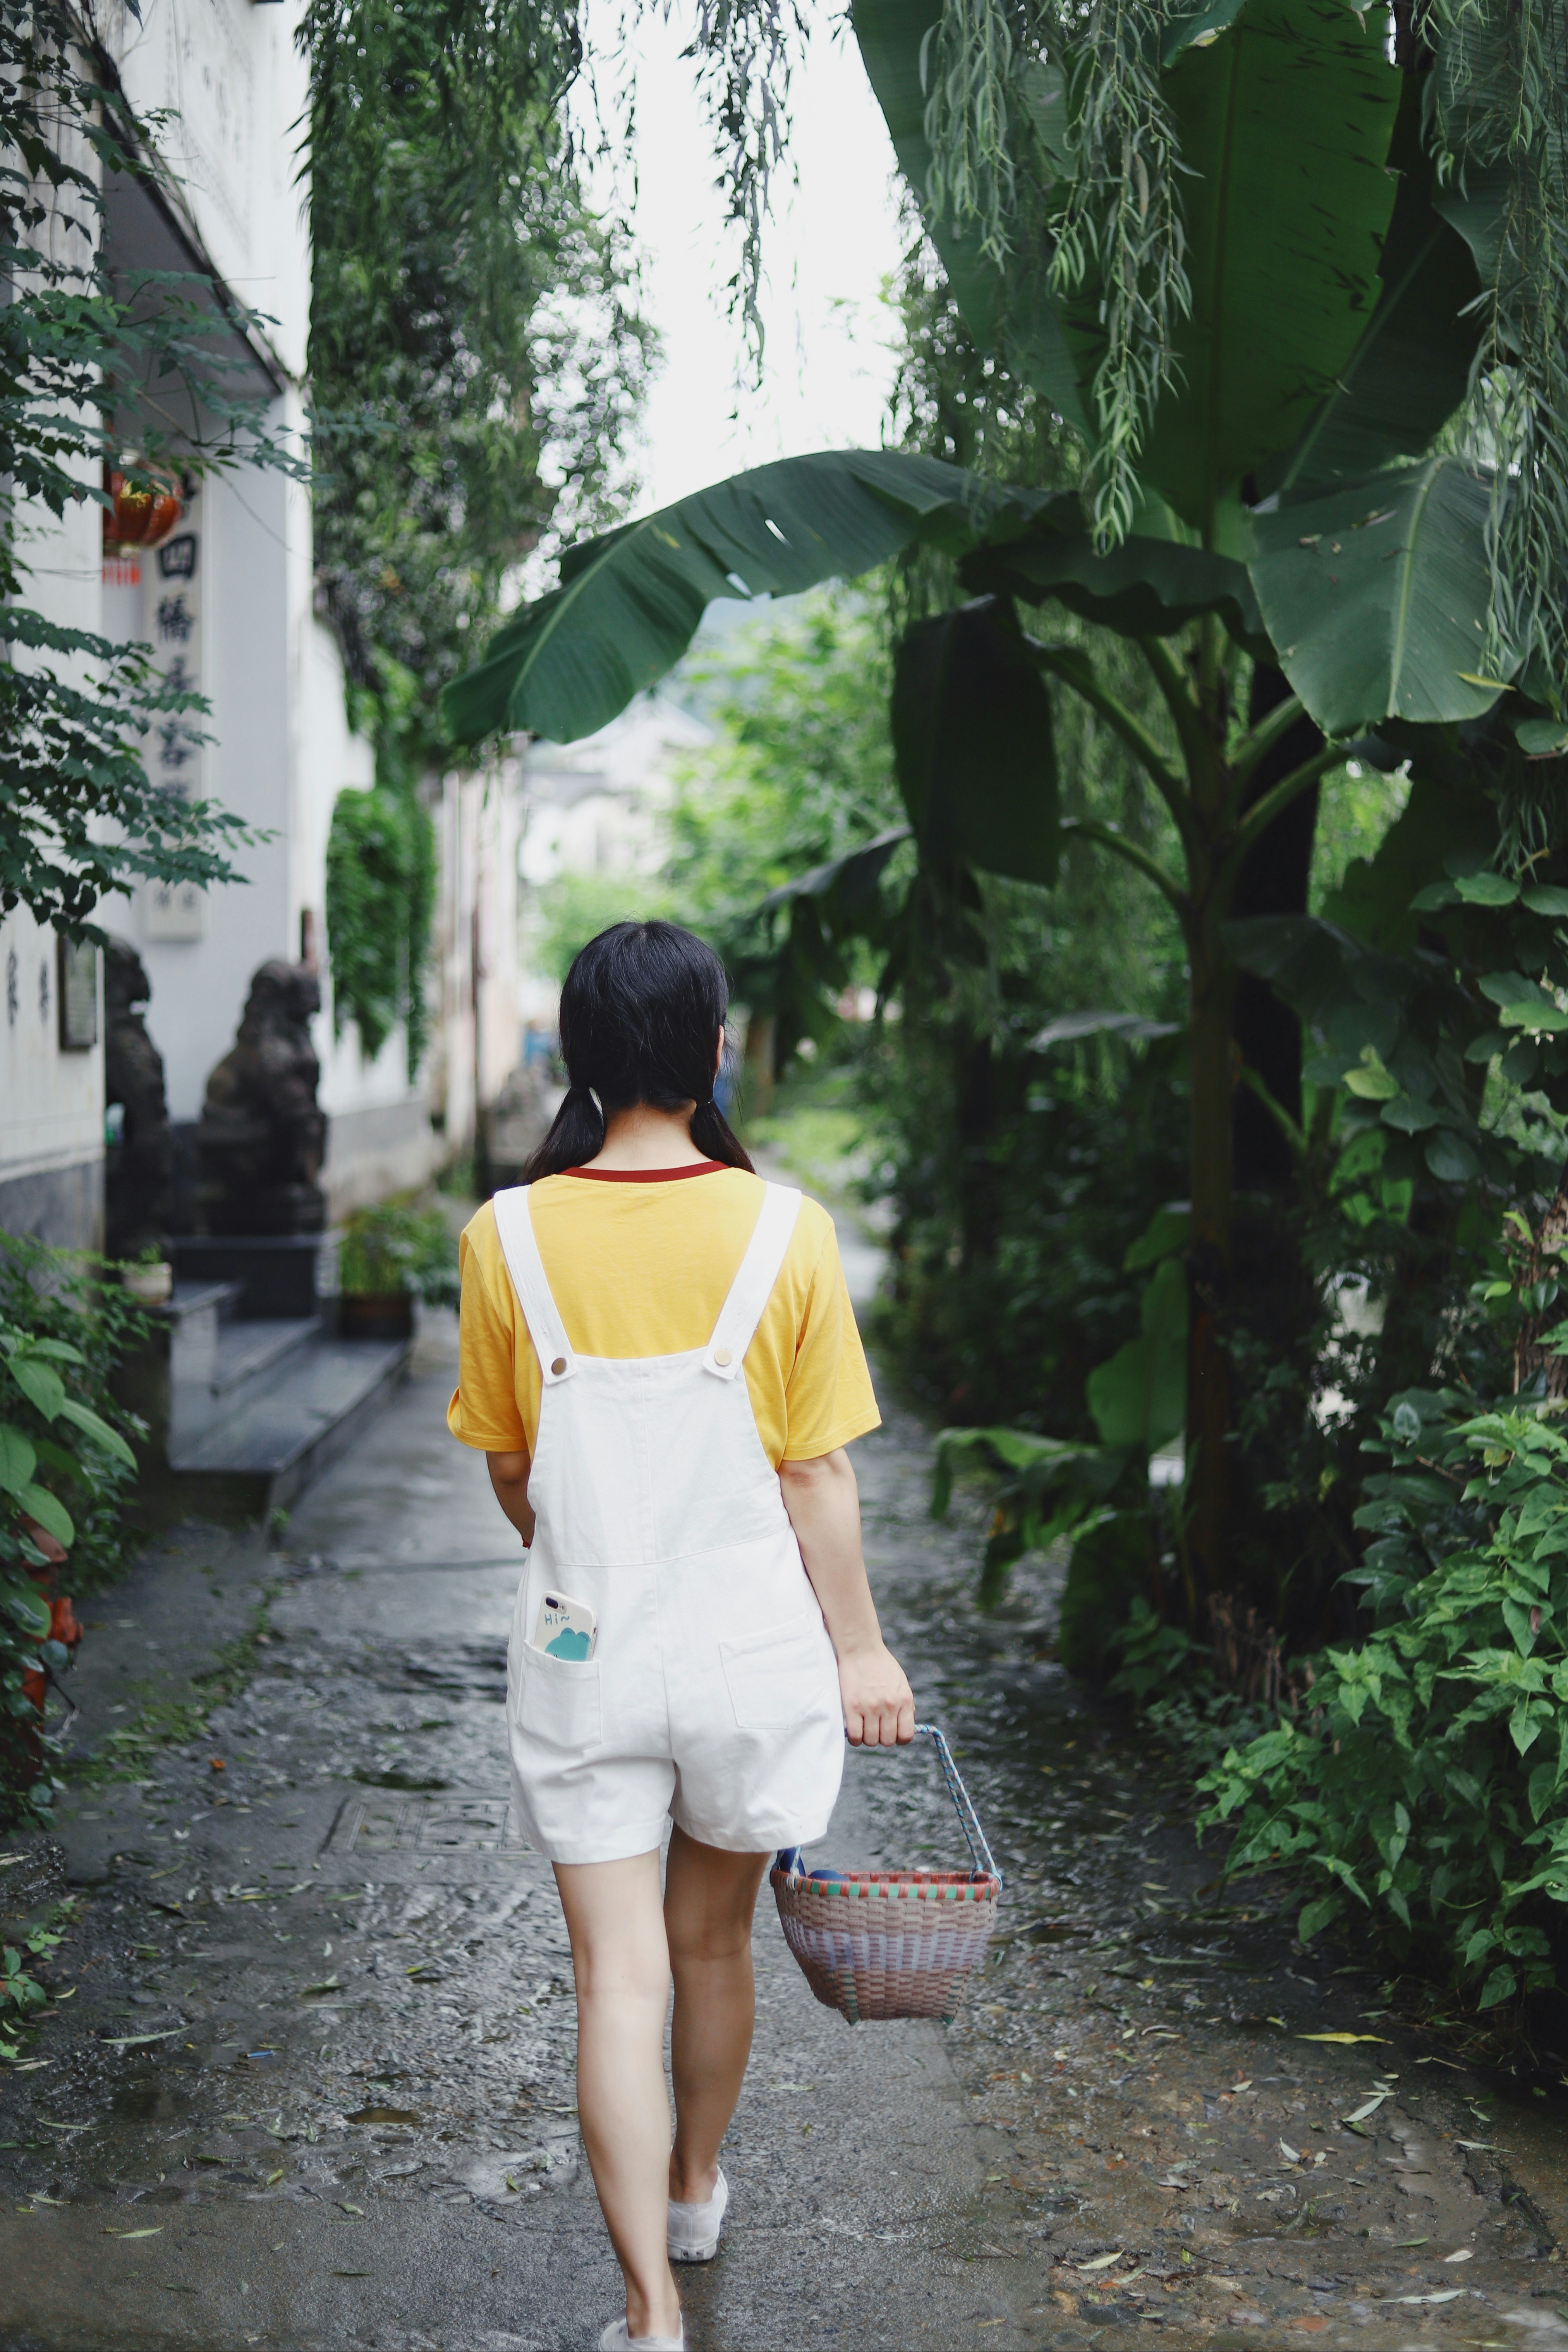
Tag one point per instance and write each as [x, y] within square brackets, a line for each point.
[1501, 115]
[1122, 213]
[1116, 214]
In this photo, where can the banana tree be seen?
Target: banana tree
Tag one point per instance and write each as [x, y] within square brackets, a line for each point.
[1292, 513]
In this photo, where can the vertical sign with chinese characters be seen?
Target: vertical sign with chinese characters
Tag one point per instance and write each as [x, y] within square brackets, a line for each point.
[172, 588]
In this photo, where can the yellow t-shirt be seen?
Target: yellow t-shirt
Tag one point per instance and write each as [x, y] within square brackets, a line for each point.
[641, 1268]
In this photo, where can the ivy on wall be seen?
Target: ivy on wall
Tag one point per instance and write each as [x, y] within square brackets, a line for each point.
[381, 894]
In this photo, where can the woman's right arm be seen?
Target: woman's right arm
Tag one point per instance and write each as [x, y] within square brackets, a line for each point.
[824, 1504]
[508, 1480]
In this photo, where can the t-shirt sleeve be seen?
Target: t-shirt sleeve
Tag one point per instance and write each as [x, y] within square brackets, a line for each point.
[484, 1409]
[828, 1396]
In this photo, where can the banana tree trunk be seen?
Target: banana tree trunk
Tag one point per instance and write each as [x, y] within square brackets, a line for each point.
[1208, 1267]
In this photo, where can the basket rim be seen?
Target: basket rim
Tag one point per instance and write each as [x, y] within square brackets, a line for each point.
[836, 1880]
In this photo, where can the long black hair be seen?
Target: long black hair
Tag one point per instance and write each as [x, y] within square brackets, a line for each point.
[641, 1010]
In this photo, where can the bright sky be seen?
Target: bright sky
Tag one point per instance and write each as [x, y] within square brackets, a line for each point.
[832, 241]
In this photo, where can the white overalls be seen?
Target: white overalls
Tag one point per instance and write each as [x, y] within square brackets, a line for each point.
[713, 1693]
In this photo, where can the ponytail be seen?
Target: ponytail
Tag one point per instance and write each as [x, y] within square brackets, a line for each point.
[711, 1133]
[576, 1134]
[641, 1010]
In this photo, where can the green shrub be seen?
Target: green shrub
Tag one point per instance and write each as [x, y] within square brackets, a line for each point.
[65, 1466]
[1423, 1782]
[397, 1246]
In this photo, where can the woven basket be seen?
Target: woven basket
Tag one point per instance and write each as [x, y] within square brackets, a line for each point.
[892, 1942]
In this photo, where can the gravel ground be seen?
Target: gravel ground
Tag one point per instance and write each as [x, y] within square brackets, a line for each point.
[309, 2077]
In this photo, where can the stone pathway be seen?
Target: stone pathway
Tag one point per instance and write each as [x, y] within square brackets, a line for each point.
[309, 2077]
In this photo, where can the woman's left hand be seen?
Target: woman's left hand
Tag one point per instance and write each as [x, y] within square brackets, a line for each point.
[878, 1704]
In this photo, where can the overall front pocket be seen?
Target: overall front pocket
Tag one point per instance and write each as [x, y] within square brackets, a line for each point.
[559, 1702]
[776, 1677]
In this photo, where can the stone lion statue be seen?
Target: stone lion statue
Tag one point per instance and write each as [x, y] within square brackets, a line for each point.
[262, 1139]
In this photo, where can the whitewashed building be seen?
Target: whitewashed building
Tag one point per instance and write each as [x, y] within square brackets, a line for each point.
[229, 598]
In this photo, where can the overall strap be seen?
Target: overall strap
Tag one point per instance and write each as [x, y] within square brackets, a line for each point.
[514, 1225]
[753, 1285]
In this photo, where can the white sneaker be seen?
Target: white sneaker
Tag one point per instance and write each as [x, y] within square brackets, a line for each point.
[615, 2340]
[693, 2230]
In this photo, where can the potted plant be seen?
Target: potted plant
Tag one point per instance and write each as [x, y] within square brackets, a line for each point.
[389, 1255]
[149, 1277]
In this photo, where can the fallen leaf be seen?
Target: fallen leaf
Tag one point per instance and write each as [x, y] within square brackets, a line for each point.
[273, 2178]
[1481, 2147]
[352, 2208]
[1460, 2255]
[1100, 2262]
[351, 2274]
[1241, 2086]
[1291, 2154]
[1339, 2037]
[134, 2041]
[1444, 2294]
[1369, 2107]
[135, 2234]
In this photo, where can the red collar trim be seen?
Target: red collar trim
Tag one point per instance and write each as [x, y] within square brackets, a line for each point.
[645, 1175]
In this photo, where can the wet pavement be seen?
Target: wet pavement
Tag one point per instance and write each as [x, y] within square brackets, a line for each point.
[309, 2077]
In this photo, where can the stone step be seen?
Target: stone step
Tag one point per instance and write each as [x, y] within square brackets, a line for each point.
[248, 1353]
[260, 1454]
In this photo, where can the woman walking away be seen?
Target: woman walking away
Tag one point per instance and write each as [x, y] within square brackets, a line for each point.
[660, 1361]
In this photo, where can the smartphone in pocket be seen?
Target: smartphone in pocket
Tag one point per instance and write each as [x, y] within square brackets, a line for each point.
[565, 1628]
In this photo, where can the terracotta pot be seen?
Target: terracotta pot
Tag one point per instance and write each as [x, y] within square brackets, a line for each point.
[376, 1314]
[152, 1285]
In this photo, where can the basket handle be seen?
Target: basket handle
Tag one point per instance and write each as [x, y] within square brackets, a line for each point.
[792, 1861]
[968, 1820]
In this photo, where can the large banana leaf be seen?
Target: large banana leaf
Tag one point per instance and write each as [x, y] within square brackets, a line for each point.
[1284, 120]
[1376, 595]
[1146, 587]
[629, 603]
[1412, 367]
[972, 743]
[1007, 311]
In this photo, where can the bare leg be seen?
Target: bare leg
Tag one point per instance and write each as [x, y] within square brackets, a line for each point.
[708, 1900]
[621, 1962]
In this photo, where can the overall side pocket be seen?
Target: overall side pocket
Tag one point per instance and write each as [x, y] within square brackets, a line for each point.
[560, 1703]
[779, 1676]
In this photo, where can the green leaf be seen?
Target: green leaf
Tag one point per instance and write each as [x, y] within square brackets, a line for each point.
[849, 882]
[1543, 738]
[1284, 124]
[1376, 596]
[1487, 889]
[49, 1512]
[1068, 1028]
[40, 1385]
[1410, 370]
[1316, 1915]
[629, 603]
[1545, 898]
[1165, 1233]
[92, 1425]
[1451, 1159]
[1501, 1985]
[29, 1611]
[1007, 311]
[1146, 587]
[1139, 1397]
[1370, 1080]
[972, 744]
[18, 1459]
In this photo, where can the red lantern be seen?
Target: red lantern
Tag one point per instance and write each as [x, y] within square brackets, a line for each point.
[146, 508]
